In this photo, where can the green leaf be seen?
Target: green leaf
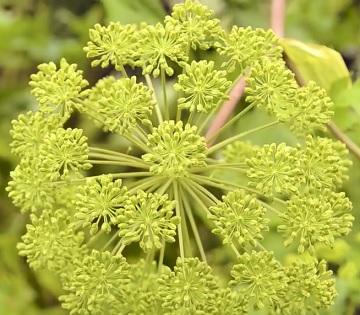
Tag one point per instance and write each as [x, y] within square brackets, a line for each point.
[347, 104]
[130, 11]
[325, 66]
[315, 62]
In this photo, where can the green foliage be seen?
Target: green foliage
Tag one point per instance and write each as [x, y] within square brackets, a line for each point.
[128, 11]
[111, 234]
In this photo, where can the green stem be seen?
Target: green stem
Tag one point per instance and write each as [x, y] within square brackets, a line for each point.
[115, 163]
[130, 162]
[94, 238]
[204, 191]
[141, 133]
[123, 71]
[270, 207]
[239, 136]
[236, 167]
[228, 186]
[178, 114]
[90, 111]
[137, 142]
[131, 174]
[235, 250]
[204, 209]
[118, 248]
[186, 234]
[111, 153]
[161, 190]
[146, 183]
[178, 213]
[109, 242]
[214, 182]
[149, 259]
[163, 85]
[192, 193]
[205, 122]
[161, 256]
[197, 123]
[157, 107]
[194, 229]
[230, 122]
[180, 93]
[190, 118]
[261, 246]
[203, 214]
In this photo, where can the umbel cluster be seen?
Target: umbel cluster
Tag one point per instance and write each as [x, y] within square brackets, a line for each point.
[125, 225]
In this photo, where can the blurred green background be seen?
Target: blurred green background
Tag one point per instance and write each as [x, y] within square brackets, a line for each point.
[37, 31]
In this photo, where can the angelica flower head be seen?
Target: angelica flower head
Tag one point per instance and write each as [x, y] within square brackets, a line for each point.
[239, 217]
[188, 287]
[113, 44]
[56, 89]
[312, 219]
[100, 199]
[260, 277]
[196, 22]
[204, 86]
[124, 104]
[175, 149]
[48, 237]
[148, 219]
[127, 224]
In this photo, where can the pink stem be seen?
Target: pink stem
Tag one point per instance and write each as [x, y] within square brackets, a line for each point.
[278, 17]
[226, 109]
[277, 24]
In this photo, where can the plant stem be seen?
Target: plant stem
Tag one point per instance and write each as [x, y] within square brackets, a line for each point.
[239, 136]
[135, 162]
[186, 234]
[137, 142]
[131, 174]
[178, 213]
[277, 17]
[109, 242]
[229, 123]
[157, 108]
[161, 256]
[227, 186]
[195, 186]
[144, 184]
[336, 131]
[106, 152]
[226, 109]
[120, 163]
[163, 84]
[194, 229]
